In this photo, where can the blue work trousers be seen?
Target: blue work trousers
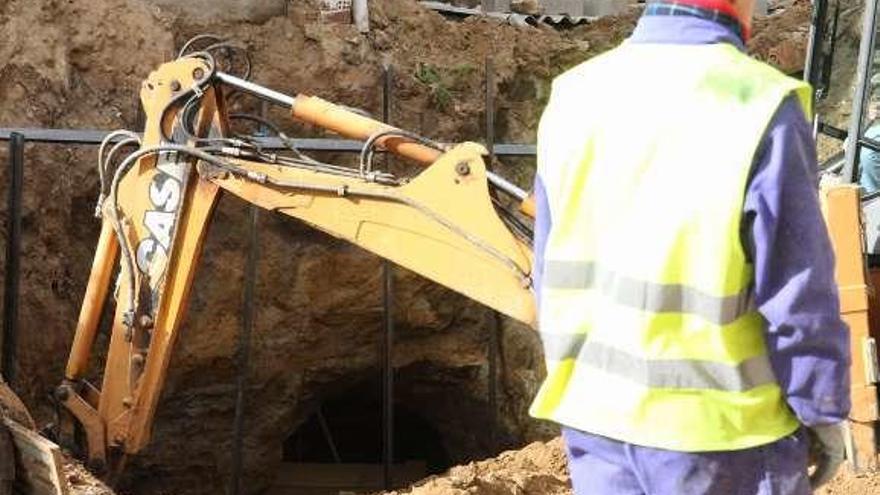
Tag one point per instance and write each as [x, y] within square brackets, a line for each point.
[601, 466]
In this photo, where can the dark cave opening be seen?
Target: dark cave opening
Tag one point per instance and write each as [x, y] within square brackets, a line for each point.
[353, 426]
[340, 446]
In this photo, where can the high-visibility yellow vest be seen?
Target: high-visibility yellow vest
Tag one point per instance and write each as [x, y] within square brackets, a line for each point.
[646, 311]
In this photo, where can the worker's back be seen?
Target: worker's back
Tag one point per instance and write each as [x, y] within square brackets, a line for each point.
[646, 313]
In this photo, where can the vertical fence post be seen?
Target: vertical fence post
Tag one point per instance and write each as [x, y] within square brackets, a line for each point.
[496, 318]
[244, 339]
[13, 256]
[244, 348]
[388, 320]
[862, 92]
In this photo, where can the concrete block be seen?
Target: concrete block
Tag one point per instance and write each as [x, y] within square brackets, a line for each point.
[225, 10]
[762, 8]
[527, 7]
[599, 8]
[570, 7]
[495, 5]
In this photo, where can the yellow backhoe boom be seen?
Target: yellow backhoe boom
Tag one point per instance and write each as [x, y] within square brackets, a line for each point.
[440, 223]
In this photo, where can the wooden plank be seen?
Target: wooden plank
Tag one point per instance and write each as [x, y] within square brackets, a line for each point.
[863, 439]
[354, 477]
[842, 211]
[865, 397]
[38, 463]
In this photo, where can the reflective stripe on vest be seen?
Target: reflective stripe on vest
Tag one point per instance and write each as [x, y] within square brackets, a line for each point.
[660, 373]
[656, 298]
[646, 312]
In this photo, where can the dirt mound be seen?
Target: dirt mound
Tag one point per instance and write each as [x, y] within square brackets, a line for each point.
[781, 38]
[540, 469]
[849, 484]
[82, 482]
[537, 469]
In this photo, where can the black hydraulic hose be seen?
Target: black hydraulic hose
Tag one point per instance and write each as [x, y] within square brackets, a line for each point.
[366, 157]
[218, 42]
[277, 130]
[121, 170]
[199, 88]
[104, 161]
[248, 65]
[214, 37]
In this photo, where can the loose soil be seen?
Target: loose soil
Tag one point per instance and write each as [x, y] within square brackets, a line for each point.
[539, 469]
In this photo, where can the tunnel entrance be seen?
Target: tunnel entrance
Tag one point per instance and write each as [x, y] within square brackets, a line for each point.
[340, 447]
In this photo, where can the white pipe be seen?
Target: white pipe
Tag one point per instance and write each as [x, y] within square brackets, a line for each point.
[361, 13]
[256, 90]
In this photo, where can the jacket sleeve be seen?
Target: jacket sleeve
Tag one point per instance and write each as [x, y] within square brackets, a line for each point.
[785, 234]
[542, 230]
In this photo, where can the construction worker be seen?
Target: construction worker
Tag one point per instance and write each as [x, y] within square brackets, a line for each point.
[684, 274]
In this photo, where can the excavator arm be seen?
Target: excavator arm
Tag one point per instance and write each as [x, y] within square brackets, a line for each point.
[156, 206]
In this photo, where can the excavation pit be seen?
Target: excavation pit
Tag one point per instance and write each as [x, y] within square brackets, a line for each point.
[340, 447]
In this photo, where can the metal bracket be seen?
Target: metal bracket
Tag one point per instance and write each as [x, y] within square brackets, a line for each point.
[92, 424]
